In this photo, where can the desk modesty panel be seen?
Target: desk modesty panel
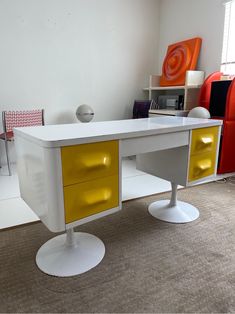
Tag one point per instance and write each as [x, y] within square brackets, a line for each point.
[185, 165]
[71, 174]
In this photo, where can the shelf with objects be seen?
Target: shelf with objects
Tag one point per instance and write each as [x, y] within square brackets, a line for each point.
[176, 90]
[174, 100]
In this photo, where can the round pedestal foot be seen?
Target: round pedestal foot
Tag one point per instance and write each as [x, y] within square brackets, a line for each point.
[180, 213]
[58, 257]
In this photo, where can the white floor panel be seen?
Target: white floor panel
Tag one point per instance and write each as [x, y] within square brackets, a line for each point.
[15, 212]
[143, 185]
[9, 185]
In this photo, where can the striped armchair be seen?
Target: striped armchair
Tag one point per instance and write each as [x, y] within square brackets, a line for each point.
[13, 119]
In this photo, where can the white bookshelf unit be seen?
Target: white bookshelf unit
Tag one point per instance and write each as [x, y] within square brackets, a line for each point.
[190, 91]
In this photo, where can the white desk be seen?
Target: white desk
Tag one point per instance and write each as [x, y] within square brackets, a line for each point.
[71, 174]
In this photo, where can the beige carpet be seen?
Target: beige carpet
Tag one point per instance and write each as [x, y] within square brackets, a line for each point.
[149, 266]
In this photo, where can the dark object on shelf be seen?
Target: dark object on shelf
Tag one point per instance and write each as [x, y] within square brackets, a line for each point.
[171, 102]
[141, 109]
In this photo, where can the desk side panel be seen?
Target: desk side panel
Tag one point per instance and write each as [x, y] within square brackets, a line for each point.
[169, 164]
[40, 181]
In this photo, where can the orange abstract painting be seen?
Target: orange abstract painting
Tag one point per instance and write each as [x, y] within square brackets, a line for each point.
[180, 57]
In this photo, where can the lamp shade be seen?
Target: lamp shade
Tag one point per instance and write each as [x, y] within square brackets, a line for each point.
[199, 112]
[84, 113]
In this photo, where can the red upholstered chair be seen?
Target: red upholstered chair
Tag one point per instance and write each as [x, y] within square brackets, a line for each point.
[13, 119]
[227, 146]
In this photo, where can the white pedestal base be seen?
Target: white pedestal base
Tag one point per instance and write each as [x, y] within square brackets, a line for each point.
[180, 213]
[70, 254]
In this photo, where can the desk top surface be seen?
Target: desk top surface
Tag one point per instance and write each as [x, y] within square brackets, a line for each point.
[79, 133]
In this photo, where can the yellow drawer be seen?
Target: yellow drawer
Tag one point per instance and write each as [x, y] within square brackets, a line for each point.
[204, 140]
[202, 165]
[87, 162]
[89, 198]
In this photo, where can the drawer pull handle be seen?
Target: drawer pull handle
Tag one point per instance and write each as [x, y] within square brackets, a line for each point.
[97, 197]
[203, 165]
[206, 141]
[96, 162]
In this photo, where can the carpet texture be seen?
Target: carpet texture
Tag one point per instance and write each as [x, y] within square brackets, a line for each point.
[149, 266]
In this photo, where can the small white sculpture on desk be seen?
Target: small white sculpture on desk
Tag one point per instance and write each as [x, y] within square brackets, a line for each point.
[84, 113]
[199, 112]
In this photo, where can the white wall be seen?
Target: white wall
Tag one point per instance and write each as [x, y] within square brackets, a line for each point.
[183, 19]
[58, 54]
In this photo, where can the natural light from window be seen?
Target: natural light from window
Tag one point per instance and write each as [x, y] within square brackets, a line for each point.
[228, 53]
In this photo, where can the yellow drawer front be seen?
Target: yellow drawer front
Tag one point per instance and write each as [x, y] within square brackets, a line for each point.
[202, 165]
[89, 198]
[87, 162]
[204, 140]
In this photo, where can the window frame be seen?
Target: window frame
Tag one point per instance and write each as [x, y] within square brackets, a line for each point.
[228, 50]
